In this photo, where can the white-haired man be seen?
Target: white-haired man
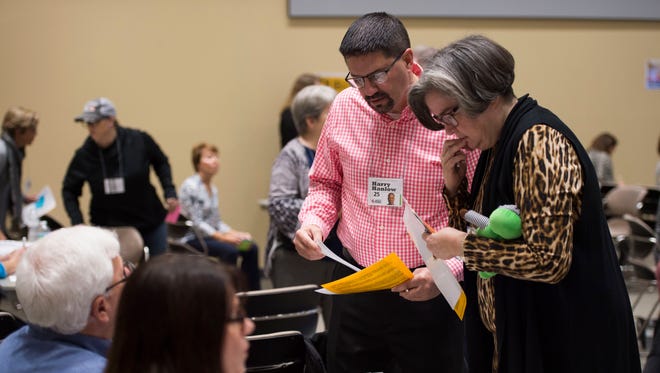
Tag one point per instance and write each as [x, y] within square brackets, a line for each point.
[69, 284]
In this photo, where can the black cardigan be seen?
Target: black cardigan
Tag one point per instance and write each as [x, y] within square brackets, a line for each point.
[584, 323]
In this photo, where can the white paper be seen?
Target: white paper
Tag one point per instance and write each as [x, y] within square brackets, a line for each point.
[44, 204]
[327, 252]
[442, 276]
[324, 291]
[8, 246]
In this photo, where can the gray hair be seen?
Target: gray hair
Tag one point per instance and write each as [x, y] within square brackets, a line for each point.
[60, 275]
[310, 103]
[375, 32]
[474, 70]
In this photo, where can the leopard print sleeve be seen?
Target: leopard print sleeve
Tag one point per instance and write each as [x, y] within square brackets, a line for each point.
[547, 188]
[455, 204]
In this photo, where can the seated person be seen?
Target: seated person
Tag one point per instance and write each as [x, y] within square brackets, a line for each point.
[199, 202]
[9, 262]
[600, 152]
[69, 283]
[180, 313]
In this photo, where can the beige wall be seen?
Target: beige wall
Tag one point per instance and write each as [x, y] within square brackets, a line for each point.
[219, 71]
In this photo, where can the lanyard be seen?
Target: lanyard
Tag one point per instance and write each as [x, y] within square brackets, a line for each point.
[119, 160]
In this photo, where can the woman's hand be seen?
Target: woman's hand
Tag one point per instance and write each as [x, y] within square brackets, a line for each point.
[453, 164]
[245, 236]
[29, 198]
[11, 261]
[231, 237]
[445, 243]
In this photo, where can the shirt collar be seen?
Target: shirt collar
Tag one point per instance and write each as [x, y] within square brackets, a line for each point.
[87, 342]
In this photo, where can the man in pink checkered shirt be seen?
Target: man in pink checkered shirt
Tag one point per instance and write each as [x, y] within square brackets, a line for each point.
[373, 146]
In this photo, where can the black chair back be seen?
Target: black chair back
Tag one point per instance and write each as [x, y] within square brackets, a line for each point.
[8, 324]
[280, 309]
[179, 229]
[277, 352]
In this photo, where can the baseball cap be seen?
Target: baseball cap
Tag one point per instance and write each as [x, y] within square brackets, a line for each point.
[96, 109]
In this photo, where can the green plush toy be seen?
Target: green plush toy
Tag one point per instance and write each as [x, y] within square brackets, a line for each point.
[504, 224]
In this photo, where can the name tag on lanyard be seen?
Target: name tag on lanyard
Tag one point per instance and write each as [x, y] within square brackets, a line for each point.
[114, 185]
[385, 192]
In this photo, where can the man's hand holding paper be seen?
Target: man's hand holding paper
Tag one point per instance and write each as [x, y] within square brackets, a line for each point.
[419, 288]
[305, 242]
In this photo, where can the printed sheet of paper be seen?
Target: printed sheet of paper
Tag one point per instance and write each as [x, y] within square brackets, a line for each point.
[7, 246]
[327, 252]
[384, 274]
[44, 204]
[442, 276]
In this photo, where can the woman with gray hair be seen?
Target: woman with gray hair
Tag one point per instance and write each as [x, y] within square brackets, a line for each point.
[289, 185]
[557, 301]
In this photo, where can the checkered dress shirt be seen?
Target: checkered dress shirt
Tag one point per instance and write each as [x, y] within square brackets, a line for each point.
[358, 143]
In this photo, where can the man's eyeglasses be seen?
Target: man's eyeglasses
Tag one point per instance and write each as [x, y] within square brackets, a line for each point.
[446, 119]
[376, 77]
[126, 271]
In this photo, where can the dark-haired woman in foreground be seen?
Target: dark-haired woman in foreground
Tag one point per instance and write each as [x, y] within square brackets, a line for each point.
[180, 313]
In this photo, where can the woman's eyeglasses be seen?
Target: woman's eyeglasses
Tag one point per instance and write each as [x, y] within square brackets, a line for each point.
[239, 318]
[447, 119]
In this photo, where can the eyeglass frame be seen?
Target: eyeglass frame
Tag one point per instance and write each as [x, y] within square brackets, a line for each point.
[448, 119]
[126, 267]
[352, 79]
[240, 318]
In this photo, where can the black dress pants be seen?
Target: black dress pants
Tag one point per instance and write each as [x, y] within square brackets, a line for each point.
[381, 331]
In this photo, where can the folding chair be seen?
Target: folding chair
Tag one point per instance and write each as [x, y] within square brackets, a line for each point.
[179, 229]
[619, 201]
[279, 309]
[8, 324]
[642, 256]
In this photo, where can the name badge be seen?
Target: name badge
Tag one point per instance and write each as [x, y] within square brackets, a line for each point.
[385, 192]
[114, 185]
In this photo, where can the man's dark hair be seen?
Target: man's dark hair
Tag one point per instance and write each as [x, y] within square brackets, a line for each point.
[375, 32]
